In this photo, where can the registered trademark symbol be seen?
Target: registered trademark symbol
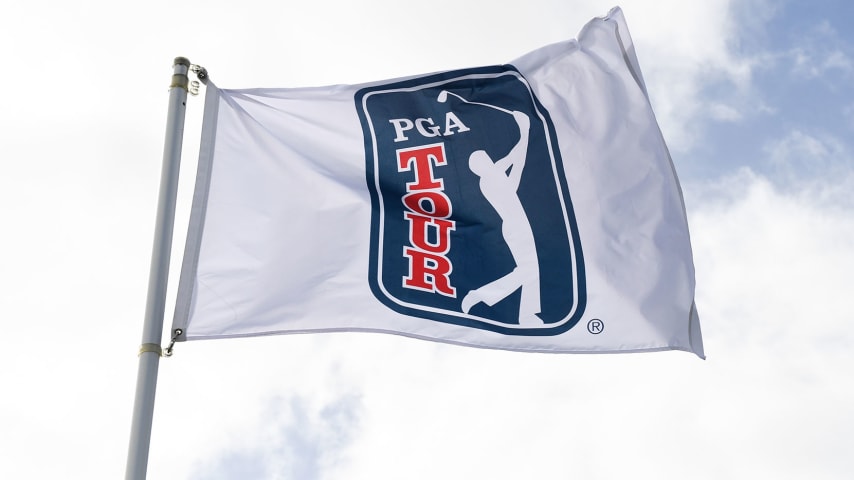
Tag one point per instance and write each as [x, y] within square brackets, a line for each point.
[595, 326]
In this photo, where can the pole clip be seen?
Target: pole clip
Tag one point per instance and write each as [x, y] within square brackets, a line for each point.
[202, 75]
[177, 333]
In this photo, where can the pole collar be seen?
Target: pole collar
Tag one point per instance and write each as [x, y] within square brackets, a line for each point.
[150, 347]
[179, 69]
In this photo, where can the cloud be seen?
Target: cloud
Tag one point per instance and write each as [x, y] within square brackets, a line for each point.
[772, 286]
[821, 52]
[778, 256]
[813, 64]
[291, 439]
[684, 52]
[808, 161]
[724, 113]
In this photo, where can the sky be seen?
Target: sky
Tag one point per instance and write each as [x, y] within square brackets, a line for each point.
[755, 99]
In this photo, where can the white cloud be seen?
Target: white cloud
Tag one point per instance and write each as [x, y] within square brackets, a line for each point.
[685, 50]
[838, 60]
[802, 159]
[797, 145]
[820, 53]
[724, 113]
[813, 63]
[777, 257]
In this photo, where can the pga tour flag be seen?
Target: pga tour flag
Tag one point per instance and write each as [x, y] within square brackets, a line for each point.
[530, 206]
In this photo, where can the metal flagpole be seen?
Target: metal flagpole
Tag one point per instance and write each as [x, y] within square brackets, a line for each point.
[152, 331]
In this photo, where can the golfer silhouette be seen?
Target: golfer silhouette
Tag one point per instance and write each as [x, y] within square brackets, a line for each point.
[499, 183]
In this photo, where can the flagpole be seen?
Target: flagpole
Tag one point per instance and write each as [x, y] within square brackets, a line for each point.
[152, 331]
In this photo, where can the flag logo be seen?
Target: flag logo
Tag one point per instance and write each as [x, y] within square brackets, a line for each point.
[471, 222]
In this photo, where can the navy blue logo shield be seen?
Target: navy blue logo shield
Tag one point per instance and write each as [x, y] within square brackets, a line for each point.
[471, 222]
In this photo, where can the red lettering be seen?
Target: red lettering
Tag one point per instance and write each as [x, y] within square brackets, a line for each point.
[429, 207]
[421, 159]
[428, 272]
[419, 233]
[440, 204]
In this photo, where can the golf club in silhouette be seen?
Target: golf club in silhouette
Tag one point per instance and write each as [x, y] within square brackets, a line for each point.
[499, 183]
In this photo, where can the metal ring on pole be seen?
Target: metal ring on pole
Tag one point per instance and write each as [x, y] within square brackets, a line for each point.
[150, 347]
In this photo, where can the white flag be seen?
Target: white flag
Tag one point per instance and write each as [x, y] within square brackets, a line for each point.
[530, 206]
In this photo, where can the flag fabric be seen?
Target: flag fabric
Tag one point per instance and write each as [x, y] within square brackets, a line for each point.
[531, 206]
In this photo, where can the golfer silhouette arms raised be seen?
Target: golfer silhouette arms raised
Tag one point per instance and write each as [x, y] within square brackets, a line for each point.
[499, 183]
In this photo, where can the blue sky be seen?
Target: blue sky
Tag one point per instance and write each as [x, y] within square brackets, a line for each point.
[800, 92]
[755, 99]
